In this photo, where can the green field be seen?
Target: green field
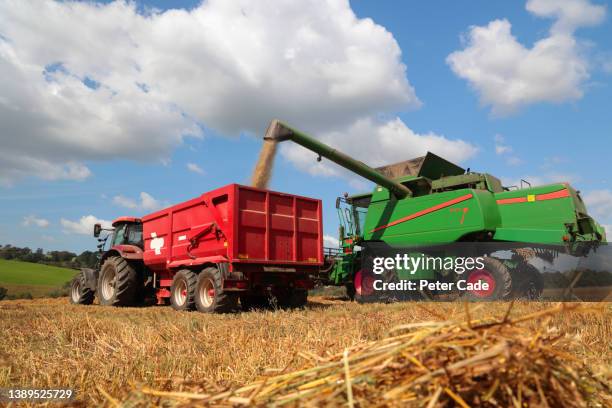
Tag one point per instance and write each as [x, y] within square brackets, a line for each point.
[36, 279]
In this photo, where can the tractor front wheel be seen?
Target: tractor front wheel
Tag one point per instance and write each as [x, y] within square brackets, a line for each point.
[118, 284]
[80, 293]
[209, 294]
[182, 292]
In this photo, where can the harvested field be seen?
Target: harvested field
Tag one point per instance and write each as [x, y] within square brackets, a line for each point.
[152, 356]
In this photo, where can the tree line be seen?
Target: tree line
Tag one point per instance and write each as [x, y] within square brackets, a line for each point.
[64, 259]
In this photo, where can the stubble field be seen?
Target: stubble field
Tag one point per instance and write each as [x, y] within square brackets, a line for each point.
[112, 356]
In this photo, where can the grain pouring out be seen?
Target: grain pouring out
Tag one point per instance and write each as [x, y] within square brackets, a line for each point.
[263, 169]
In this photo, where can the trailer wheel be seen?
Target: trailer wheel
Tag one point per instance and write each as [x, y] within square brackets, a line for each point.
[253, 302]
[182, 292]
[209, 294]
[497, 277]
[118, 284]
[80, 293]
[298, 298]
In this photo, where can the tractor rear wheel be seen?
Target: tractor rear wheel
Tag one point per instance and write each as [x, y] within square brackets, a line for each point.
[497, 278]
[80, 293]
[209, 294]
[118, 284]
[182, 292]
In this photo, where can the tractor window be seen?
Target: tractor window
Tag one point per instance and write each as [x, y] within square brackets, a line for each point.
[135, 235]
[119, 235]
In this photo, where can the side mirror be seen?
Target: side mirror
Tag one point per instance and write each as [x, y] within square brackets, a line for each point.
[97, 230]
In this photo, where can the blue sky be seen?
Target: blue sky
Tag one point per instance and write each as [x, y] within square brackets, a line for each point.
[555, 125]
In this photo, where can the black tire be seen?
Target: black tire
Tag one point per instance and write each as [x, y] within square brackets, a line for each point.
[350, 290]
[182, 291]
[118, 284]
[209, 294]
[80, 293]
[529, 284]
[250, 302]
[501, 277]
[298, 298]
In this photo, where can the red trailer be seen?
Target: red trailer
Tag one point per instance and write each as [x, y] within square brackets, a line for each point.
[235, 242]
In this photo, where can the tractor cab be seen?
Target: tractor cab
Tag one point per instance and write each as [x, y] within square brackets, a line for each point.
[125, 231]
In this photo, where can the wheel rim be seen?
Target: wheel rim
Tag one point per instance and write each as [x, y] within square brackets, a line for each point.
[364, 284]
[484, 276]
[108, 284]
[180, 293]
[207, 292]
[75, 293]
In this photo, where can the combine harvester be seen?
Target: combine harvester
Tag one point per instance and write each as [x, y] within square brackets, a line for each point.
[430, 201]
[254, 246]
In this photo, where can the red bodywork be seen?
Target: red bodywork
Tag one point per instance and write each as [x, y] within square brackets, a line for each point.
[252, 232]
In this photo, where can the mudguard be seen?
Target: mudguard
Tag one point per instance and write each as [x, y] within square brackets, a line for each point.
[91, 278]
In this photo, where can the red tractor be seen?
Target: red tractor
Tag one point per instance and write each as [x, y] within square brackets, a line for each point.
[233, 244]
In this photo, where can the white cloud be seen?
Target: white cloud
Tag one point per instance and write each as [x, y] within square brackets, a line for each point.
[500, 146]
[508, 75]
[103, 81]
[569, 14]
[146, 203]
[541, 179]
[32, 220]
[377, 143]
[195, 168]
[599, 202]
[84, 225]
[330, 242]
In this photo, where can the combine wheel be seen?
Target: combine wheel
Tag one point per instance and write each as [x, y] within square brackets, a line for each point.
[364, 287]
[80, 293]
[350, 290]
[118, 284]
[209, 294]
[497, 277]
[530, 283]
[182, 292]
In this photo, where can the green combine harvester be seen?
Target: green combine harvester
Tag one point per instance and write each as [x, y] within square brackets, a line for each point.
[429, 200]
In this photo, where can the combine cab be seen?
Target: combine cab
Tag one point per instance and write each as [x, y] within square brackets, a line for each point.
[234, 244]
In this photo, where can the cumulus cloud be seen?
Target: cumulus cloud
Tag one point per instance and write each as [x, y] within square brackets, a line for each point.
[194, 168]
[330, 242]
[507, 75]
[599, 202]
[84, 225]
[32, 220]
[500, 146]
[541, 179]
[377, 143]
[66, 96]
[146, 202]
